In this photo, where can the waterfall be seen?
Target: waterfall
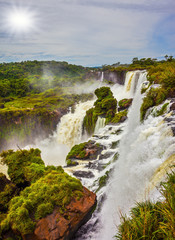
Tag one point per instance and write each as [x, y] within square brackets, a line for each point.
[145, 151]
[141, 152]
[102, 77]
[131, 81]
[69, 130]
[99, 124]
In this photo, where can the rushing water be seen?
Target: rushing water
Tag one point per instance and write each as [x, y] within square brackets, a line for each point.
[144, 150]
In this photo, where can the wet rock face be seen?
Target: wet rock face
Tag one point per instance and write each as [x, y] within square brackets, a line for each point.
[58, 226]
[84, 174]
[89, 150]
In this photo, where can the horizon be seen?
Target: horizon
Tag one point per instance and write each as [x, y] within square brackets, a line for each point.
[87, 33]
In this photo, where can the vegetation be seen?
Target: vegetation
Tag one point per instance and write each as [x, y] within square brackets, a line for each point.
[77, 151]
[162, 74]
[119, 117]
[103, 180]
[31, 94]
[152, 220]
[38, 200]
[105, 106]
[124, 103]
[33, 192]
[24, 166]
[19, 79]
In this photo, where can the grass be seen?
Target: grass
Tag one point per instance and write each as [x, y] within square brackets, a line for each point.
[151, 220]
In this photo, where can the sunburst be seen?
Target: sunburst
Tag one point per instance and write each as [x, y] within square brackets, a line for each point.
[20, 20]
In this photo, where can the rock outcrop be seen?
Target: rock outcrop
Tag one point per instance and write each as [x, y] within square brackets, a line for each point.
[57, 226]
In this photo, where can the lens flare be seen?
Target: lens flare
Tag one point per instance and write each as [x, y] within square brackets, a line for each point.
[20, 20]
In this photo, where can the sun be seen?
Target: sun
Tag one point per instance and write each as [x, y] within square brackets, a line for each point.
[20, 20]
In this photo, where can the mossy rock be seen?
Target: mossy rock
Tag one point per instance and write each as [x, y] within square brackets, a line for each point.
[105, 106]
[87, 150]
[120, 117]
[35, 202]
[124, 104]
[154, 97]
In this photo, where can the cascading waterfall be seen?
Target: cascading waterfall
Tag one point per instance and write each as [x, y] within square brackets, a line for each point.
[69, 130]
[143, 148]
[99, 124]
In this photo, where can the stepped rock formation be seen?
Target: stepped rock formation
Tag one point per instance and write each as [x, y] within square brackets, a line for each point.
[58, 226]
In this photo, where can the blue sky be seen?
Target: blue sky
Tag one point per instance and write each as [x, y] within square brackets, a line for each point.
[89, 32]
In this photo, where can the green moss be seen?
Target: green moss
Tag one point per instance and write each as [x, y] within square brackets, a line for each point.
[77, 150]
[118, 116]
[24, 166]
[154, 97]
[162, 110]
[125, 103]
[116, 156]
[71, 162]
[6, 195]
[38, 200]
[90, 120]
[103, 180]
[104, 106]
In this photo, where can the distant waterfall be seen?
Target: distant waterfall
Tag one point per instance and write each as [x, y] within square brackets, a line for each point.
[102, 77]
[69, 130]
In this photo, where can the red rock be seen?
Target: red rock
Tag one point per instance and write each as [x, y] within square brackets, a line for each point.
[58, 226]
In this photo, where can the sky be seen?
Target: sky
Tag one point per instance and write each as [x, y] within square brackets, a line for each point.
[86, 32]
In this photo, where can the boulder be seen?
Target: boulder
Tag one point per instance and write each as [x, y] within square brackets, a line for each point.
[57, 226]
[83, 174]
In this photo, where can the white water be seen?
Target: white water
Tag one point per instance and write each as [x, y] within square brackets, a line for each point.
[99, 124]
[143, 148]
[69, 130]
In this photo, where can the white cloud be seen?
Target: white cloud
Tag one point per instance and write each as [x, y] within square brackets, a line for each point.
[91, 32]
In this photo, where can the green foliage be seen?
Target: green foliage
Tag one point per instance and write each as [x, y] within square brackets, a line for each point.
[18, 79]
[162, 110]
[154, 97]
[125, 103]
[24, 166]
[103, 92]
[119, 116]
[6, 195]
[152, 220]
[54, 189]
[104, 106]
[90, 120]
[77, 151]
[164, 74]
